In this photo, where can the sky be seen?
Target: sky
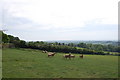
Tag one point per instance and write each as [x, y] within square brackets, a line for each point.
[41, 20]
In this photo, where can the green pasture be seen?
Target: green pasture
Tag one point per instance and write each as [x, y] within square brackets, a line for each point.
[29, 63]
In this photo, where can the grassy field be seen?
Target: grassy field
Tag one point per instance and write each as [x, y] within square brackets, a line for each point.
[28, 63]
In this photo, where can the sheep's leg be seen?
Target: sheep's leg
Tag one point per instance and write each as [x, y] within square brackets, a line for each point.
[70, 58]
[48, 55]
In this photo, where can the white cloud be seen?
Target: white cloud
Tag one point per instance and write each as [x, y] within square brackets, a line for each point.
[60, 16]
[64, 13]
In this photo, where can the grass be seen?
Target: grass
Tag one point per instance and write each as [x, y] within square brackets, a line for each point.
[28, 63]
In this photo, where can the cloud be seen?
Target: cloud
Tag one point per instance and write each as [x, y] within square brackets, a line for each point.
[64, 13]
[66, 18]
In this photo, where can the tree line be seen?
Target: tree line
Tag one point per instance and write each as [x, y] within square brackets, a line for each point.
[58, 47]
[97, 47]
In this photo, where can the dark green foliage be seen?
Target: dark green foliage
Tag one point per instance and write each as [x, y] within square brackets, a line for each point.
[118, 49]
[56, 47]
[22, 44]
[11, 38]
[83, 45]
[5, 38]
[61, 47]
[99, 47]
[14, 40]
[0, 37]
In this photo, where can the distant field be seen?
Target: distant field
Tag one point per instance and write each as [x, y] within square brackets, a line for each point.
[113, 53]
[28, 63]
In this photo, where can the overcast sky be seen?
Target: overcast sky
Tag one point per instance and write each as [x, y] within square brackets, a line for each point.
[60, 19]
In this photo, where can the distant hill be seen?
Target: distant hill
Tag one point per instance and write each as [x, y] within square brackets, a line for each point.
[114, 43]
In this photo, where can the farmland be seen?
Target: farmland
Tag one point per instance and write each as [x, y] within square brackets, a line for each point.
[30, 63]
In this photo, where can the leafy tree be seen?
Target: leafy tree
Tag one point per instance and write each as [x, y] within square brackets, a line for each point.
[5, 38]
[11, 38]
[22, 44]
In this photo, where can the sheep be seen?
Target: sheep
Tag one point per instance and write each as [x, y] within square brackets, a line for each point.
[67, 56]
[51, 54]
[44, 51]
[72, 56]
[81, 56]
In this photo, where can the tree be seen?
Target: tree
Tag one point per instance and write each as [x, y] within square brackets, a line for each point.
[22, 44]
[5, 38]
[11, 38]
